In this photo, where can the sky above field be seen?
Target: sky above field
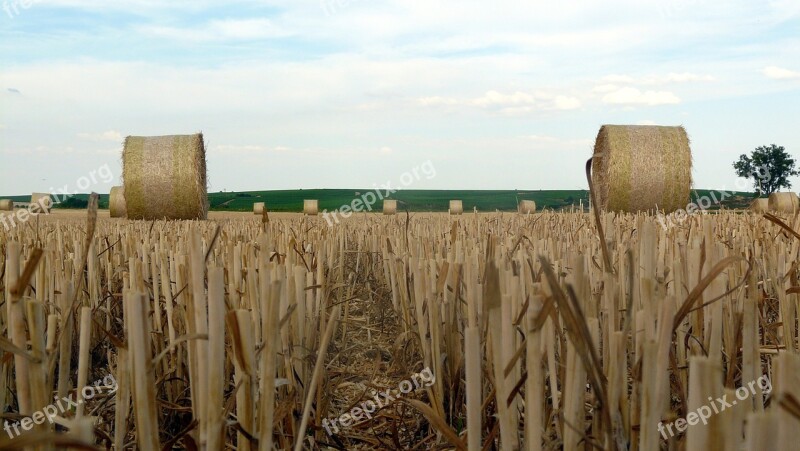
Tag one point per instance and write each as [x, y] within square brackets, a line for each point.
[354, 93]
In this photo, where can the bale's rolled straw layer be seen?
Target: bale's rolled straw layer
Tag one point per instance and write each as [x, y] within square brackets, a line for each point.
[784, 202]
[311, 207]
[116, 202]
[258, 208]
[42, 199]
[760, 205]
[456, 207]
[165, 177]
[640, 168]
[389, 207]
[6, 205]
[527, 207]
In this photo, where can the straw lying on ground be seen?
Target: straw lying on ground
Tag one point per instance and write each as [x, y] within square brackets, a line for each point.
[165, 177]
[456, 207]
[311, 207]
[760, 205]
[258, 208]
[640, 168]
[527, 207]
[6, 204]
[116, 202]
[784, 202]
[389, 207]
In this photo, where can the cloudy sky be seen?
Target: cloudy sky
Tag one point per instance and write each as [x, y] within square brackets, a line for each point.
[501, 94]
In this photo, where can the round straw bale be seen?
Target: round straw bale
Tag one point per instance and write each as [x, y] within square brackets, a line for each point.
[456, 207]
[642, 167]
[116, 202]
[784, 202]
[527, 207]
[311, 207]
[43, 200]
[389, 207]
[258, 208]
[6, 205]
[165, 177]
[760, 205]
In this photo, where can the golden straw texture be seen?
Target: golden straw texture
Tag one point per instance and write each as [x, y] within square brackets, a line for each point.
[311, 207]
[258, 208]
[642, 167]
[389, 207]
[456, 207]
[6, 204]
[46, 201]
[760, 205]
[165, 177]
[784, 202]
[527, 207]
[116, 202]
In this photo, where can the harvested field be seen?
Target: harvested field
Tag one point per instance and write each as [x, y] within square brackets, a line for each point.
[241, 333]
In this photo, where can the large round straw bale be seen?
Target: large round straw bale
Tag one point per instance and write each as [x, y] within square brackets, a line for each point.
[311, 207]
[456, 207]
[258, 208]
[42, 200]
[165, 177]
[389, 207]
[642, 167]
[760, 205]
[527, 207]
[6, 205]
[784, 202]
[116, 202]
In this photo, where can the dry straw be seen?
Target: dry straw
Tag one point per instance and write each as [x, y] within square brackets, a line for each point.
[165, 177]
[389, 207]
[42, 199]
[258, 208]
[6, 205]
[640, 168]
[311, 207]
[527, 207]
[784, 202]
[760, 205]
[116, 202]
[456, 207]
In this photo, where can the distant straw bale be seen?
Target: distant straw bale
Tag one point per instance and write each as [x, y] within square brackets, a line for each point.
[641, 168]
[165, 177]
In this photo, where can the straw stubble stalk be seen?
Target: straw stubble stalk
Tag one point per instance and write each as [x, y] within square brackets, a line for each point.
[258, 208]
[144, 389]
[116, 202]
[642, 168]
[389, 207]
[784, 202]
[6, 205]
[165, 177]
[310, 207]
[216, 356]
[527, 207]
[456, 207]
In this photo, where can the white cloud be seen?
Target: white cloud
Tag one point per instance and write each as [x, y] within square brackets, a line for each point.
[542, 138]
[513, 104]
[646, 122]
[111, 135]
[494, 98]
[670, 78]
[604, 88]
[385, 150]
[566, 103]
[633, 96]
[779, 73]
[219, 30]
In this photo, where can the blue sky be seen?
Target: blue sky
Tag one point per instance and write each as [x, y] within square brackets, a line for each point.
[352, 93]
